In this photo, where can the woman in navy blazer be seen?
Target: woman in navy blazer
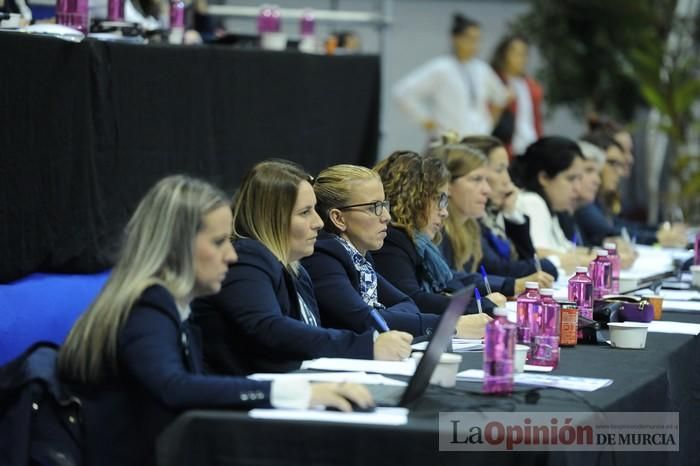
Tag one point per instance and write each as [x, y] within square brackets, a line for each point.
[266, 319]
[355, 213]
[410, 257]
[133, 357]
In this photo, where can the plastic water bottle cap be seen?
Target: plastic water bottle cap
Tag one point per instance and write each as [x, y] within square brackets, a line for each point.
[610, 246]
[601, 252]
[547, 292]
[581, 269]
[500, 311]
[532, 285]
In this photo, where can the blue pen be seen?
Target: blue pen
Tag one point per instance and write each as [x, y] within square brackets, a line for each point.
[478, 299]
[577, 239]
[381, 323]
[486, 280]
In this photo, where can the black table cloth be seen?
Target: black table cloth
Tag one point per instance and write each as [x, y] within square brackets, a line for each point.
[86, 128]
[663, 377]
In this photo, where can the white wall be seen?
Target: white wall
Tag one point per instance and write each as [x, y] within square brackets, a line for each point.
[420, 31]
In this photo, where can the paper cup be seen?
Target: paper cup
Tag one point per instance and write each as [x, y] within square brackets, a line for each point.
[628, 335]
[520, 357]
[445, 374]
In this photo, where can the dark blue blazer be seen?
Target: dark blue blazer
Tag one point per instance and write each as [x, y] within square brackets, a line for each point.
[398, 262]
[160, 375]
[595, 225]
[337, 286]
[519, 236]
[254, 323]
[498, 284]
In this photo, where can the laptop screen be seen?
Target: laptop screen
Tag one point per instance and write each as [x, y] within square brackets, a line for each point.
[441, 338]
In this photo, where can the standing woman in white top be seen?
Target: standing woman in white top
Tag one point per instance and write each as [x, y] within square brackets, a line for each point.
[550, 173]
[456, 92]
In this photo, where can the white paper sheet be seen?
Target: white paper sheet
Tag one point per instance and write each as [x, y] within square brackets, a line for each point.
[584, 384]
[530, 368]
[674, 295]
[354, 377]
[380, 416]
[459, 345]
[406, 367]
[683, 328]
[685, 306]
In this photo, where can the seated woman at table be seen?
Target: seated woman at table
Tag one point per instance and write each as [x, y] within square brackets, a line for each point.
[550, 172]
[265, 318]
[505, 232]
[410, 258]
[133, 354]
[469, 191]
[355, 215]
[599, 219]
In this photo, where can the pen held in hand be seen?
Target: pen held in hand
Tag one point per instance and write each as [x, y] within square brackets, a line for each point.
[478, 300]
[538, 266]
[486, 280]
[381, 323]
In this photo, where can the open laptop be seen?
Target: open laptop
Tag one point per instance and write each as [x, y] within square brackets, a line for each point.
[387, 395]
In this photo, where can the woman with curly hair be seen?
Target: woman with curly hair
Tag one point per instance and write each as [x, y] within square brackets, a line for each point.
[417, 190]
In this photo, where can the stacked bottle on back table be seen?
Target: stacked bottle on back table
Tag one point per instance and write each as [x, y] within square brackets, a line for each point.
[581, 292]
[528, 313]
[499, 351]
[615, 264]
[600, 271]
[545, 337]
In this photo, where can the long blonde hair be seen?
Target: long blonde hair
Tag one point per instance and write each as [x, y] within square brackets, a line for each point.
[334, 187]
[411, 183]
[263, 205]
[158, 250]
[464, 237]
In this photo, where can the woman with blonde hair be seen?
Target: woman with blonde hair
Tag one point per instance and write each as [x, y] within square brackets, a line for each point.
[356, 217]
[265, 318]
[410, 259]
[469, 191]
[133, 355]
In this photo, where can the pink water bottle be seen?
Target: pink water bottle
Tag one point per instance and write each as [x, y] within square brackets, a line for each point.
[268, 19]
[600, 271]
[115, 10]
[307, 25]
[177, 21]
[545, 335]
[528, 310]
[615, 264]
[499, 351]
[581, 292]
[696, 260]
[73, 13]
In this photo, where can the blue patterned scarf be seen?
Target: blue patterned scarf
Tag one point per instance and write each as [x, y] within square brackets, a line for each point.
[368, 277]
[438, 273]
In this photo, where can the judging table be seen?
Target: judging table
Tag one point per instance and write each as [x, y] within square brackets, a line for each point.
[86, 128]
[665, 376]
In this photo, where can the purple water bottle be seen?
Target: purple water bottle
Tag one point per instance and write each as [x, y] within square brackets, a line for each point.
[528, 309]
[177, 21]
[499, 351]
[307, 25]
[581, 292]
[545, 337]
[115, 10]
[600, 271]
[73, 13]
[615, 264]
[696, 260]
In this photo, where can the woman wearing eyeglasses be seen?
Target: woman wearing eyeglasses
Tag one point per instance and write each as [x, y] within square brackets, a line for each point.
[410, 257]
[349, 291]
[265, 318]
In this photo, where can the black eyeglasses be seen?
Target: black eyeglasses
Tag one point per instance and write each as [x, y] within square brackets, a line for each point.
[378, 207]
[442, 200]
